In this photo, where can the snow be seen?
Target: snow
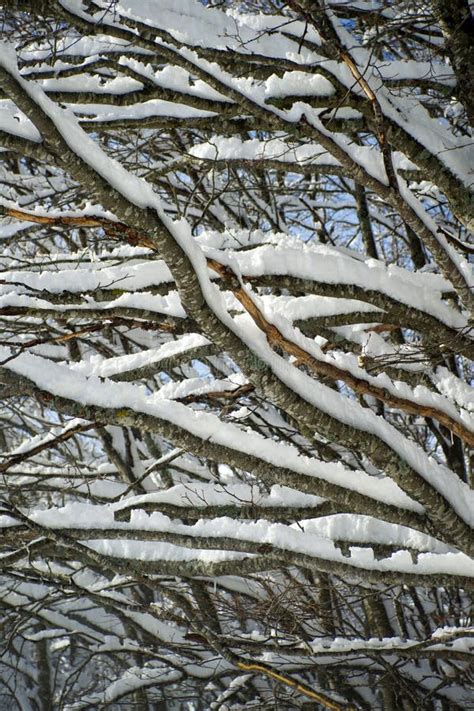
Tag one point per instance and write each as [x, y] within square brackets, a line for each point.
[32, 442]
[316, 263]
[320, 263]
[297, 83]
[222, 148]
[189, 22]
[105, 368]
[89, 48]
[116, 86]
[170, 305]
[138, 191]
[282, 310]
[456, 154]
[350, 412]
[415, 70]
[14, 122]
[65, 382]
[144, 303]
[145, 110]
[301, 308]
[368, 530]
[322, 397]
[82, 493]
[173, 78]
[340, 645]
[92, 277]
[13, 228]
[463, 266]
[141, 194]
[209, 494]
[317, 540]
[454, 388]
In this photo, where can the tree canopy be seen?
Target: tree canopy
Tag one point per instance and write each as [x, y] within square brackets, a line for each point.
[236, 354]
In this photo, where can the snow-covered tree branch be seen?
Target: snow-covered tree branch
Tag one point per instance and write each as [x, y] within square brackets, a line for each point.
[236, 345]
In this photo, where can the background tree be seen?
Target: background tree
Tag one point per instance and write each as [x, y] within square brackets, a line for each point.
[236, 344]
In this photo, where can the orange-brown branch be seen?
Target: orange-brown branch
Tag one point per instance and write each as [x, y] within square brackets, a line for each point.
[360, 386]
[274, 336]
